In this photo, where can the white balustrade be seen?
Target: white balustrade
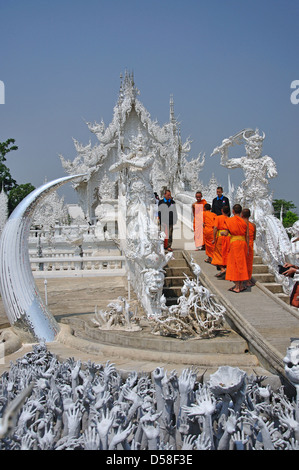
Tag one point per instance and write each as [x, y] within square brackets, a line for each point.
[71, 266]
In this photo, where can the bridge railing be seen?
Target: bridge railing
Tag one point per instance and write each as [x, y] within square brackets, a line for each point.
[77, 266]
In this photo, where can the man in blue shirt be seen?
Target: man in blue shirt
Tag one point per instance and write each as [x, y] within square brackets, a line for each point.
[167, 218]
[219, 202]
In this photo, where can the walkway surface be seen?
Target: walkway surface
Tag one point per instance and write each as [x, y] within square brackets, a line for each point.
[275, 321]
[262, 318]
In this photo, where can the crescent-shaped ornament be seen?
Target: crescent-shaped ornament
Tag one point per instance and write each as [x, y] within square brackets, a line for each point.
[23, 305]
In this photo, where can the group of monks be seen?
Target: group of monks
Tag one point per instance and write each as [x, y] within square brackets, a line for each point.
[227, 240]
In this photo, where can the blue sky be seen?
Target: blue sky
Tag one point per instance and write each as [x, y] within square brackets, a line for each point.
[229, 65]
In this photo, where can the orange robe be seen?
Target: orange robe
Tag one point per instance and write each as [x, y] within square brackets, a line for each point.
[208, 231]
[236, 269]
[250, 253]
[197, 208]
[221, 243]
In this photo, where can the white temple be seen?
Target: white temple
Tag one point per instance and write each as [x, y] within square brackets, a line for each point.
[131, 120]
[133, 158]
[116, 181]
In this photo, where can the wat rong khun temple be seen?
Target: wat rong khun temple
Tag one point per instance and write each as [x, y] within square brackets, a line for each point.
[110, 341]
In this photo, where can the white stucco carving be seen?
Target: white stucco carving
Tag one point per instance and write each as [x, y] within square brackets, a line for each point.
[50, 212]
[291, 363]
[117, 316]
[50, 404]
[196, 313]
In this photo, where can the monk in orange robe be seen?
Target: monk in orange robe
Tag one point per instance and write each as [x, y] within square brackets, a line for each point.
[236, 269]
[221, 242]
[197, 211]
[208, 231]
[252, 235]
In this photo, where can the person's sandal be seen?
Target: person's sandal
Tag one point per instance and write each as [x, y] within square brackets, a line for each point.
[221, 275]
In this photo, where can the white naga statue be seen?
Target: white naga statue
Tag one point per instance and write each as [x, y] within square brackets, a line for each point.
[272, 241]
[196, 313]
[139, 237]
[136, 194]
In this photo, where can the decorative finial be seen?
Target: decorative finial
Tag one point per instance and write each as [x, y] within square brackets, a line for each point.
[171, 111]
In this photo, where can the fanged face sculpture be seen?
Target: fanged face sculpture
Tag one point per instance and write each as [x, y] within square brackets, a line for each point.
[254, 149]
[154, 281]
[254, 144]
[291, 363]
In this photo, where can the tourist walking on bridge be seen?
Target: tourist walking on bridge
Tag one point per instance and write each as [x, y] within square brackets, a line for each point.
[167, 215]
[220, 201]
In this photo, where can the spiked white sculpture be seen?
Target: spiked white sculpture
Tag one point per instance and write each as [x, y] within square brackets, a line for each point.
[196, 313]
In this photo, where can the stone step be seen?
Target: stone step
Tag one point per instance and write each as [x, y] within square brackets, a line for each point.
[260, 269]
[178, 254]
[174, 277]
[261, 274]
[178, 271]
[226, 342]
[264, 278]
[284, 297]
[171, 281]
[174, 263]
[273, 287]
[142, 345]
[172, 291]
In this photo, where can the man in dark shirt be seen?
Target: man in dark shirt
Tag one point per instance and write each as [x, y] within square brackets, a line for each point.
[167, 218]
[219, 202]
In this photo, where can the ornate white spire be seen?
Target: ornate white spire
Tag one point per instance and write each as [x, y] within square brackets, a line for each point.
[171, 109]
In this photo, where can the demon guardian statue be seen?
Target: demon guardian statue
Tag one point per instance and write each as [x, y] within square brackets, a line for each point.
[272, 241]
